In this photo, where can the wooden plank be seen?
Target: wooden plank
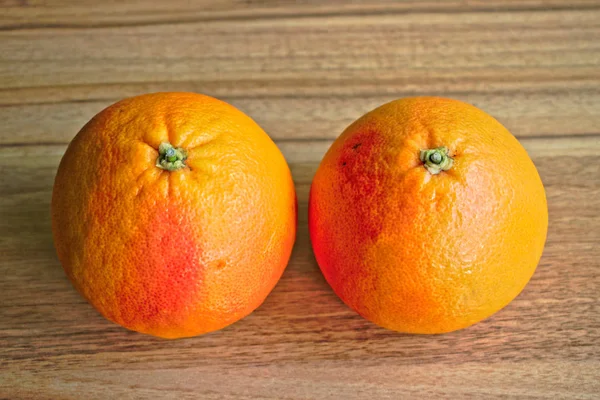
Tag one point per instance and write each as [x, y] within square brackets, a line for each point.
[498, 80]
[550, 113]
[328, 380]
[18, 14]
[347, 50]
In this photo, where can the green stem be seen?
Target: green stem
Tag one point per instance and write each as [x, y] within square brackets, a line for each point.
[170, 158]
[436, 160]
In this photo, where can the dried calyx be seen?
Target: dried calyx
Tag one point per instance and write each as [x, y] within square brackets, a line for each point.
[436, 160]
[170, 158]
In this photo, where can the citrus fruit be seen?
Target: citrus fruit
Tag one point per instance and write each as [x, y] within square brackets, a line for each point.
[426, 215]
[173, 214]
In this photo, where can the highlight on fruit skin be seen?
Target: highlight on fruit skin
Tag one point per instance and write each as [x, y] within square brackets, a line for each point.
[173, 214]
[426, 216]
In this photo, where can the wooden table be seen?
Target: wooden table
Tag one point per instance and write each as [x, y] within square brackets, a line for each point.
[303, 71]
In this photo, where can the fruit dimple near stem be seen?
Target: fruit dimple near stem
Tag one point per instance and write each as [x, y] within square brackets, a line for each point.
[436, 160]
[170, 158]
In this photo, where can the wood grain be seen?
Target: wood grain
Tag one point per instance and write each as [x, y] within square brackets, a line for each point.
[23, 14]
[303, 71]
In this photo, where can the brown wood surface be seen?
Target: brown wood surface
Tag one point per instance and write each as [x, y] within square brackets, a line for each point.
[303, 70]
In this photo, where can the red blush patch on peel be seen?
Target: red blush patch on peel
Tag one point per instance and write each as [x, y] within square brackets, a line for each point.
[166, 274]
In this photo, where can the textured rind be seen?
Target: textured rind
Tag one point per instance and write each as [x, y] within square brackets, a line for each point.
[179, 253]
[423, 253]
